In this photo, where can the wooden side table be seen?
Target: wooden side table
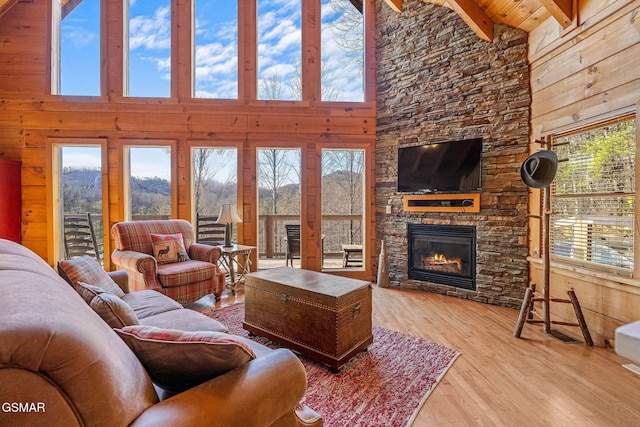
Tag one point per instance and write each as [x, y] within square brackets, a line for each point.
[236, 259]
[348, 253]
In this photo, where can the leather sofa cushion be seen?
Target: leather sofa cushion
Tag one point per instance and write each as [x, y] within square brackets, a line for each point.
[113, 310]
[148, 303]
[178, 360]
[185, 319]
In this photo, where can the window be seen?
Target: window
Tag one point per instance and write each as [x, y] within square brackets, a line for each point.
[216, 49]
[215, 179]
[342, 68]
[78, 195]
[278, 204]
[593, 196]
[148, 182]
[279, 50]
[148, 52]
[75, 68]
[342, 208]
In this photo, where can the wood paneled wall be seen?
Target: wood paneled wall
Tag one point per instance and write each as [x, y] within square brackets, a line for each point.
[584, 74]
[31, 121]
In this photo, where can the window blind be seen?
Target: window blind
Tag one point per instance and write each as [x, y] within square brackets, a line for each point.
[593, 195]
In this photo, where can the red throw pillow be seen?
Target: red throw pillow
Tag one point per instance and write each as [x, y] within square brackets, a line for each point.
[177, 360]
[86, 269]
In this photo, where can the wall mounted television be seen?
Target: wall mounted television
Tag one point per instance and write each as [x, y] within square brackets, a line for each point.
[444, 167]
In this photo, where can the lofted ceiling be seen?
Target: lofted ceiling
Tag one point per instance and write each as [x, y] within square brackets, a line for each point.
[481, 15]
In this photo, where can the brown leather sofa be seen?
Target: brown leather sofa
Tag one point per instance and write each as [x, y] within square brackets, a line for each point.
[62, 365]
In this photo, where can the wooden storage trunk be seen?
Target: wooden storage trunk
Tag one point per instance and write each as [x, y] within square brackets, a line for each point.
[327, 318]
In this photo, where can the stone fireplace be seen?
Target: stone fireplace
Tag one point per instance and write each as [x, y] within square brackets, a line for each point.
[442, 83]
[443, 254]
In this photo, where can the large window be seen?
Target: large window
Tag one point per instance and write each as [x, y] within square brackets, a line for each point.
[75, 68]
[279, 50]
[278, 205]
[342, 69]
[148, 42]
[215, 179]
[342, 208]
[593, 196]
[148, 182]
[148, 53]
[77, 195]
[216, 49]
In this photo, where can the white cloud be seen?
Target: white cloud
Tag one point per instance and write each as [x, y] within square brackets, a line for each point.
[78, 36]
[151, 32]
[280, 36]
[216, 58]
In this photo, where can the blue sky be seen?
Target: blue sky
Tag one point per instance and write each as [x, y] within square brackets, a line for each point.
[216, 52]
[216, 57]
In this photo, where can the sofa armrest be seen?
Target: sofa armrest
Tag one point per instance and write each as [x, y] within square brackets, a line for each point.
[121, 278]
[258, 393]
[207, 253]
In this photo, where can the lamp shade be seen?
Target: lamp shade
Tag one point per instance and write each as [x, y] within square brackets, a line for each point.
[228, 215]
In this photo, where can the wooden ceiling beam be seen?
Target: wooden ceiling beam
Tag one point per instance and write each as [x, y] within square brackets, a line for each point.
[474, 17]
[68, 6]
[561, 10]
[396, 5]
[6, 5]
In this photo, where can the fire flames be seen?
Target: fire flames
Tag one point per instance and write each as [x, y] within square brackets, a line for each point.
[442, 263]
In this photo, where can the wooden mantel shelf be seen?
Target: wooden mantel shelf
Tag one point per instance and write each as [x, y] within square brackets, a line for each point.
[468, 202]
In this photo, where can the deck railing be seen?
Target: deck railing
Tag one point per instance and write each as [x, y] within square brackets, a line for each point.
[336, 231]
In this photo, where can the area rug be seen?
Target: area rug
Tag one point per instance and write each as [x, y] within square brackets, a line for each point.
[384, 386]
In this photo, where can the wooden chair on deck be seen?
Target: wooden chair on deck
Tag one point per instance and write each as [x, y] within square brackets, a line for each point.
[208, 231]
[293, 242]
[80, 237]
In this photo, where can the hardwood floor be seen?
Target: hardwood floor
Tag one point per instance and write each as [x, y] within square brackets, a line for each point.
[500, 380]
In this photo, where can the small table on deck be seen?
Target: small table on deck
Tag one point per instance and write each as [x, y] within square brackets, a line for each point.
[236, 259]
[348, 252]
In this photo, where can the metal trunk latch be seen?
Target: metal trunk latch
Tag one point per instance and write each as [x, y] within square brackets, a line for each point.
[356, 310]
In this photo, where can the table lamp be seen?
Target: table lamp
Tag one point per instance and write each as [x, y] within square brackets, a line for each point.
[227, 217]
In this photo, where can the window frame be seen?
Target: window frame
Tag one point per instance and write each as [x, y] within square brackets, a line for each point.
[126, 145]
[55, 50]
[54, 206]
[592, 265]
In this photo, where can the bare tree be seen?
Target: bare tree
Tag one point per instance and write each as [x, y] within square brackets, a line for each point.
[271, 85]
[209, 189]
[342, 172]
[200, 174]
[349, 28]
[274, 171]
[330, 91]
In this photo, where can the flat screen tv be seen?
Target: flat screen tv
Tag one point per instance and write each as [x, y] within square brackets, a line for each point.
[445, 167]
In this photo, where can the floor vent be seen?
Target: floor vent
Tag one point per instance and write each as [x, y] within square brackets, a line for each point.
[564, 337]
[632, 368]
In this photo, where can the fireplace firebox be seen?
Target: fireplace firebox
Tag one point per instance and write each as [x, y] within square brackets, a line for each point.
[444, 254]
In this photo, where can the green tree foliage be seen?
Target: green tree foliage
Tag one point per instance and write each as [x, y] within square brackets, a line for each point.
[594, 194]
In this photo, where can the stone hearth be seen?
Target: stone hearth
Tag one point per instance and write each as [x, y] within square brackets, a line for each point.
[437, 81]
